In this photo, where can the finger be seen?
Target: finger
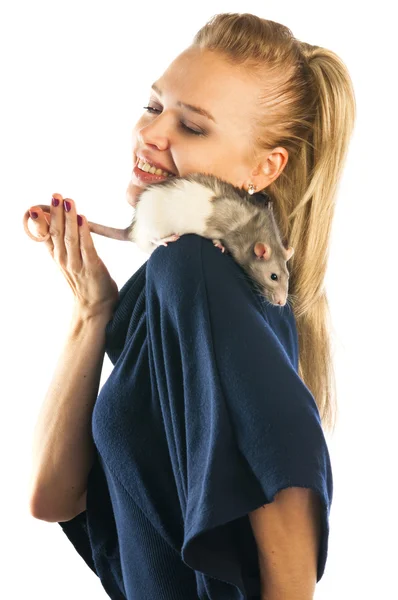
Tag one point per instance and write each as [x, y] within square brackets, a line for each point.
[39, 224]
[87, 248]
[34, 236]
[71, 237]
[57, 229]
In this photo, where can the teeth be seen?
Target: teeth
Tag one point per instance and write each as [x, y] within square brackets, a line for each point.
[144, 166]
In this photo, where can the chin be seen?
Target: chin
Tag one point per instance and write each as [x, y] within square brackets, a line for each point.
[132, 192]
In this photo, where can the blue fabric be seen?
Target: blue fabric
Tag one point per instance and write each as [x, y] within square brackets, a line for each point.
[203, 419]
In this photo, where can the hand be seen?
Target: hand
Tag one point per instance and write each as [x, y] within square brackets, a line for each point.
[72, 248]
[218, 244]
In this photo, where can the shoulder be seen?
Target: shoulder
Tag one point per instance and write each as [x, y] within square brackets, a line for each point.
[182, 264]
[192, 271]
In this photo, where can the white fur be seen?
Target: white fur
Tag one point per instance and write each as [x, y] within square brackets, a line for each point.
[182, 209]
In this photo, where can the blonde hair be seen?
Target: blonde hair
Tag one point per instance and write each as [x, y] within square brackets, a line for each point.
[307, 106]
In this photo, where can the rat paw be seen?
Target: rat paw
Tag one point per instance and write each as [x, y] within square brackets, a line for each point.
[170, 238]
[218, 244]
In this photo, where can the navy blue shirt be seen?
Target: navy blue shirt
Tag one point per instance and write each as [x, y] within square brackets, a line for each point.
[202, 420]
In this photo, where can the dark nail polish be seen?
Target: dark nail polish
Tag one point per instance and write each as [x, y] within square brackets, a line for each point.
[67, 205]
[55, 202]
[33, 214]
[79, 220]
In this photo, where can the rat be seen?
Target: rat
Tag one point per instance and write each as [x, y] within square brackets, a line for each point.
[213, 208]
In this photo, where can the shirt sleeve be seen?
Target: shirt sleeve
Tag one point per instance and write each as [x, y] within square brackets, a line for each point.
[94, 536]
[249, 426]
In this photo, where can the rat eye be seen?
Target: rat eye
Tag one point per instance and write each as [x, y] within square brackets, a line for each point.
[274, 276]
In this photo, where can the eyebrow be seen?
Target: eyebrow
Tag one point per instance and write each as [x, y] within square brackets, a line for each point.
[200, 111]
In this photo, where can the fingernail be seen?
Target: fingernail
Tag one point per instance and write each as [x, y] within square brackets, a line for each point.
[67, 205]
[79, 220]
[55, 202]
[33, 214]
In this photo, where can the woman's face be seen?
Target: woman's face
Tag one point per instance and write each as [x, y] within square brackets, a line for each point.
[202, 79]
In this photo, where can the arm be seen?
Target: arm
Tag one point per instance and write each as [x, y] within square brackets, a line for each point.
[287, 533]
[63, 449]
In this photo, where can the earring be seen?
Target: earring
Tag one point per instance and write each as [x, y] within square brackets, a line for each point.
[251, 188]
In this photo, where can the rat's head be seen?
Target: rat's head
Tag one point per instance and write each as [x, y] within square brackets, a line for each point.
[269, 270]
[257, 246]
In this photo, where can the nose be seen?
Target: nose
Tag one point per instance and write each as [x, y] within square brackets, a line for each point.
[155, 133]
[281, 301]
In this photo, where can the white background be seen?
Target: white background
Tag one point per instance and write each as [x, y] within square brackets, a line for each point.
[74, 78]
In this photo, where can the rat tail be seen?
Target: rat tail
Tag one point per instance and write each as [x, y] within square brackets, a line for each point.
[110, 232]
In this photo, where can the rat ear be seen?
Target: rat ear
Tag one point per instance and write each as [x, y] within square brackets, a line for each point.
[262, 251]
[288, 252]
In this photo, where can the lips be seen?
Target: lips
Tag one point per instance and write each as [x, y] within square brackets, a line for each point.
[146, 178]
[153, 163]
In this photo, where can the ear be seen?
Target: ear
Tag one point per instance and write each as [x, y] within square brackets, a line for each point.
[262, 251]
[288, 253]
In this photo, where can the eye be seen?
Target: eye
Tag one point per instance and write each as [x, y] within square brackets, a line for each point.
[182, 125]
[274, 276]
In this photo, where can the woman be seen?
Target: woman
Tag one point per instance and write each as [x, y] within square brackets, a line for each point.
[201, 470]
